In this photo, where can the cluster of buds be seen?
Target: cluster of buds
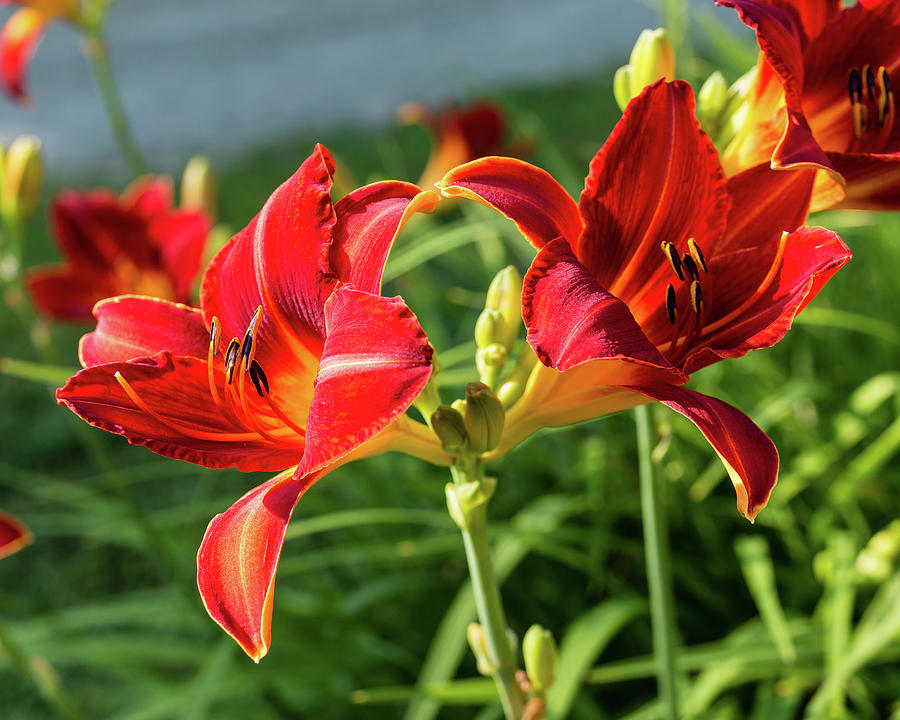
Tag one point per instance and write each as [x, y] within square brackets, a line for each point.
[472, 426]
[652, 58]
[722, 109]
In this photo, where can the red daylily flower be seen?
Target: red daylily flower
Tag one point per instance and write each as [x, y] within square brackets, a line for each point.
[461, 134]
[662, 268]
[812, 53]
[13, 534]
[21, 35]
[320, 370]
[135, 243]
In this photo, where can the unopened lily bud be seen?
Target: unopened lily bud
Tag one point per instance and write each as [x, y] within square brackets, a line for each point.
[711, 101]
[484, 417]
[462, 499]
[876, 560]
[22, 179]
[450, 428]
[622, 86]
[504, 296]
[199, 188]
[488, 327]
[652, 58]
[475, 636]
[490, 362]
[539, 652]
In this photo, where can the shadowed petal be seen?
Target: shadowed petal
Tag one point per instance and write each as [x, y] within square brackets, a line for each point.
[873, 181]
[65, 293]
[541, 209]
[375, 362]
[18, 40]
[130, 326]
[179, 418]
[746, 451]
[238, 559]
[368, 221]
[571, 319]
[657, 178]
[13, 534]
[181, 238]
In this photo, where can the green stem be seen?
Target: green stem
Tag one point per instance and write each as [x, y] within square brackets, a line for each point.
[97, 53]
[659, 579]
[488, 602]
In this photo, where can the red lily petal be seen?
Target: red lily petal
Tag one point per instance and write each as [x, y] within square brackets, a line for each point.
[179, 418]
[765, 203]
[238, 559]
[130, 326]
[813, 15]
[65, 293]
[375, 362]
[181, 238]
[13, 534]
[149, 195]
[541, 209]
[746, 451]
[761, 290]
[368, 221]
[571, 318]
[781, 40]
[873, 181]
[18, 40]
[657, 178]
[279, 261]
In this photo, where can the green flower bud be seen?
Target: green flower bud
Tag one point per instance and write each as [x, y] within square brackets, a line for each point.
[622, 86]
[504, 296]
[488, 327]
[199, 188]
[463, 498]
[450, 427]
[539, 652]
[475, 636]
[876, 560]
[652, 58]
[711, 101]
[484, 417]
[22, 178]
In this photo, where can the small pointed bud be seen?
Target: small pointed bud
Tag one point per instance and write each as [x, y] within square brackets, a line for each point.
[505, 296]
[475, 636]
[652, 58]
[22, 179]
[622, 86]
[199, 187]
[462, 499]
[488, 327]
[711, 101]
[449, 426]
[484, 417]
[539, 652]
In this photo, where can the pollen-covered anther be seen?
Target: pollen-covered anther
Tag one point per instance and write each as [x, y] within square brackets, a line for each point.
[690, 266]
[869, 76]
[214, 333]
[674, 261]
[696, 297]
[248, 349]
[697, 254]
[858, 108]
[671, 307]
[231, 357]
[885, 98]
[258, 377]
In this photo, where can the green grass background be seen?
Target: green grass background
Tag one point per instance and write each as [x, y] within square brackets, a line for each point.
[775, 620]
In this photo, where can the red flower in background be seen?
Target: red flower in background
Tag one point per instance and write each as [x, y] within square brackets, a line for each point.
[21, 35]
[461, 134]
[115, 245]
[13, 534]
[823, 97]
[319, 369]
[662, 268]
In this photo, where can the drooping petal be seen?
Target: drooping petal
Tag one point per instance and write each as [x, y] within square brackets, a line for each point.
[18, 40]
[65, 293]
[746, 451]
[757, 293]
[131, 326]
[368, 221]
[13, 534]
[657, 178]
[541, 209]
[175, 414]
[375, 362]
[571, 318]
[238, 559]
[280, 261]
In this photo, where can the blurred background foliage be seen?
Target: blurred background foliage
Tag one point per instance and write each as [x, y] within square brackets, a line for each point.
[795, 616]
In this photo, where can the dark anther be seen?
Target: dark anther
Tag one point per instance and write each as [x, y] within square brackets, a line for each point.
[697, 254]
[671, 308]
[854, 86]
[259, 379]
[885, 100]
[870, 82]
[696, 296]
[247, 346]
[231, 356]
[675, 261]
[214, 332]
[690, 266]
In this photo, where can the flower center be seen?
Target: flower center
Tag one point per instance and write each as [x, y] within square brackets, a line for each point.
[871, 103]
[687, 268]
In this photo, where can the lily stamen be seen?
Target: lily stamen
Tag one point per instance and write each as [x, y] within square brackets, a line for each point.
[697, 254]
[858, 108]
[869, 75]
[696, 296]
[672, 255]
[231, 356]
[214, 332]
[671, 307]
[885, 99]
